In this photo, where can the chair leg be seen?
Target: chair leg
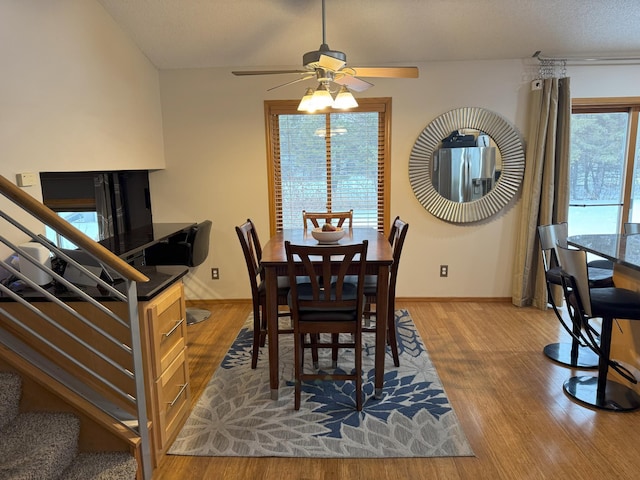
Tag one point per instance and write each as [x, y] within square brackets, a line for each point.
[335, 337]
[575, 354]
[358, 362]
[367, 315]
[299, 362]
[605, 354]
[263, 330]
[314, 338]
[391, 335]
[257, 337]
[598, 391]
[551, 300]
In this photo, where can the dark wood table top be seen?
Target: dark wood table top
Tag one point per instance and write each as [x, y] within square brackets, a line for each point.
[621, 249]
[379, 250]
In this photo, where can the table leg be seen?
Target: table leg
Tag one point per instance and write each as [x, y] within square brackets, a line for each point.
[381, 327]
[271, 280]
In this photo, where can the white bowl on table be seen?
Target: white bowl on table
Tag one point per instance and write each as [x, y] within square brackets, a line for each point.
[329, 236]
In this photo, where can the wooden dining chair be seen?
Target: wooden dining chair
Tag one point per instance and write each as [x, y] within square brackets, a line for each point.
[333, 309]
[252, 250]
[397, 236]
[316, 218]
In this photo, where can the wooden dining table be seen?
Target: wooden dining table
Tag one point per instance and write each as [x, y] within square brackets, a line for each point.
[274, 262]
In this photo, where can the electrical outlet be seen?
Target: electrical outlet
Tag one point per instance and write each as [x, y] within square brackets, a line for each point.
[444, 270]
[215, 274]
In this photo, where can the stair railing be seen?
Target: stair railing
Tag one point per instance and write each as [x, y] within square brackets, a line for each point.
[92, 346]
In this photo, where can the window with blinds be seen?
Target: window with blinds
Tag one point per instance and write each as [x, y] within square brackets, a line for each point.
[330, 161]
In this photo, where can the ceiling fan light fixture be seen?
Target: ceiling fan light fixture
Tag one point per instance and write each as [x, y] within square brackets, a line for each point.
[344, 100]
[321, 98]
[330, 66]
[306, 104]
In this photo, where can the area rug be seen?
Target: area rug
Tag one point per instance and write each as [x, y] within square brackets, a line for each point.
[235, 415]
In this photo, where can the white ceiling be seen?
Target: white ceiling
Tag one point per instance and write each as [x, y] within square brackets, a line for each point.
[275, 33]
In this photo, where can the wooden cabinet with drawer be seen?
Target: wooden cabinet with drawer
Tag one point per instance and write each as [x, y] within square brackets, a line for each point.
[169, 397]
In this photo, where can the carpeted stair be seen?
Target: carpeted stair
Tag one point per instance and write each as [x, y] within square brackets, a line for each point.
[44, 445]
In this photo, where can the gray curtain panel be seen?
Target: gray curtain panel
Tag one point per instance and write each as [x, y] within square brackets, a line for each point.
[545, 192]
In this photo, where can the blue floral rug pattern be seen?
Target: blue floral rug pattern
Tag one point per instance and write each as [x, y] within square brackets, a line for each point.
[235, 415]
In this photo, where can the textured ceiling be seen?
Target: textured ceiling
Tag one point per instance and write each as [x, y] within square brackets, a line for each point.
[273, 33]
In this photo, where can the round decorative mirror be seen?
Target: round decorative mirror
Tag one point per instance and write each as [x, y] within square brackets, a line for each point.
[466, 165]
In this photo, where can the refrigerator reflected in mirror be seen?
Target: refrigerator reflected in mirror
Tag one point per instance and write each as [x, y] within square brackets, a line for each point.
[464, 174]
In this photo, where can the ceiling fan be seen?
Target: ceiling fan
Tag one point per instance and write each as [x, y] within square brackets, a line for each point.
[330, 66]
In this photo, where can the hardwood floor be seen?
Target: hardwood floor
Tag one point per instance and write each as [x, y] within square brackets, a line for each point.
[506, 393]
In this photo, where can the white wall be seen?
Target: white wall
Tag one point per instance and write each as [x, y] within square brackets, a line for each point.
[75, 93]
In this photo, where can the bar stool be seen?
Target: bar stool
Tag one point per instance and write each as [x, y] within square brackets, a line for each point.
[608, 303]
[577, 353]
[631, 228]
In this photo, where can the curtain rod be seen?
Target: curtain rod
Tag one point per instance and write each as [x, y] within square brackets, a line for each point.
[543, 58]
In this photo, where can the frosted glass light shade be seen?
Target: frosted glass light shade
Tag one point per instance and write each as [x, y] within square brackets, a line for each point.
[321, 98]
[344, 100]
[306, 104]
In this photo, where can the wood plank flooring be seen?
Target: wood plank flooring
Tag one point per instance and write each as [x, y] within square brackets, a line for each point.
[506, 393]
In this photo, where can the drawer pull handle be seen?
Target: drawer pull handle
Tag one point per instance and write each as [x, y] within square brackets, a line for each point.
[182, 389]
[175, 327]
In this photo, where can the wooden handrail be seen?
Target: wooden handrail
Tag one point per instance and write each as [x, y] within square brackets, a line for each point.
[50, 218]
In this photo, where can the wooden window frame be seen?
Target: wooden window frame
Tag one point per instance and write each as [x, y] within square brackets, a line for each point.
[274, 108]
[630, 105]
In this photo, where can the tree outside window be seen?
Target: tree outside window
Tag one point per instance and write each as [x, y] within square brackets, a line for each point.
[603, 176]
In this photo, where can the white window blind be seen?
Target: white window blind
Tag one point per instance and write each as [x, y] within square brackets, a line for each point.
[330, 161]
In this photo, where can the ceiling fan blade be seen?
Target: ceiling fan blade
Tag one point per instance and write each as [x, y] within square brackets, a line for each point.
[301, 79]
[385, 72]
[266, 72]
[353, 83]
[330, 63]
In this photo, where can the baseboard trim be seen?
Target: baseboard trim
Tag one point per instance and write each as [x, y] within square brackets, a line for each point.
[455, 299]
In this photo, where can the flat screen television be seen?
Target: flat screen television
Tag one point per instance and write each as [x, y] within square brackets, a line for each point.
[102, 204]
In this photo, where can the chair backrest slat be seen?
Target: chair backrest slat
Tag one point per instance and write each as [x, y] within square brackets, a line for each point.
[550, 237]
[200, 243]
[252, 251]
[574, 264]
[326, 217]
[631, 228]
[397, 236]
